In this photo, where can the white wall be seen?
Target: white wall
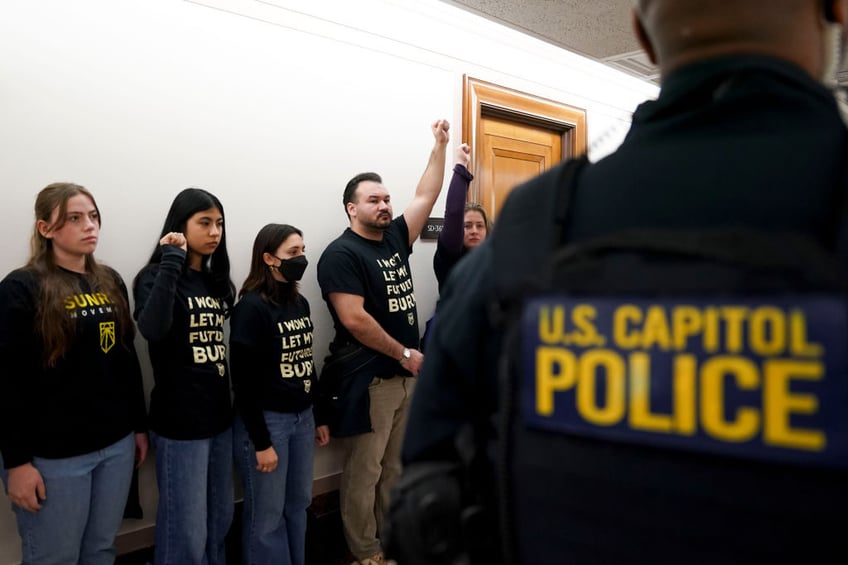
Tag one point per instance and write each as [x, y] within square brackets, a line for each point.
[271, 105]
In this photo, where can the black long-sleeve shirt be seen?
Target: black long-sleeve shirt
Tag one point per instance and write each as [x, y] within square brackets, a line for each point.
[90, 399]
[271, 356]
[184, 326]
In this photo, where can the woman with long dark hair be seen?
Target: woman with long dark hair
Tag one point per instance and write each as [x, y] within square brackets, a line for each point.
[182, 297]
[72, 414]
[274, 379]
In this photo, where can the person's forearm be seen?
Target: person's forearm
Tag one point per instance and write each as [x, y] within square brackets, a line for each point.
[430, 184]
[450, 237]
[369, 333]
[155, 298]
[428, 190]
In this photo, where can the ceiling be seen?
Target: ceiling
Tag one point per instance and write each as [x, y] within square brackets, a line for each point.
[599, 29]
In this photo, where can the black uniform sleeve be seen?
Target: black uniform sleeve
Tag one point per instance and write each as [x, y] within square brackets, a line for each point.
[456, 381]
[19, 353]
[154, 294]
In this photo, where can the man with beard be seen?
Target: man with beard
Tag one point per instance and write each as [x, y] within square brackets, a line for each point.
[369, 376]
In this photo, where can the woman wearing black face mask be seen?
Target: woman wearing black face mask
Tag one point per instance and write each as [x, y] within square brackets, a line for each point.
[274, 378]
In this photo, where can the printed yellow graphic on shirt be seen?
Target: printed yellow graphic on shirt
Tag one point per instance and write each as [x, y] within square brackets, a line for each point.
[87, 300]
[398, 281]
[107, 336]
[206, 338]
[94, 305]
[296, 348]
[88, 304]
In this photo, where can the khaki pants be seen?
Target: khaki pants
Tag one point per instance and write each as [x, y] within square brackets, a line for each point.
[372, 465]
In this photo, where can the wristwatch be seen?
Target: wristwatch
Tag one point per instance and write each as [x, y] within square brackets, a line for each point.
[406, 355]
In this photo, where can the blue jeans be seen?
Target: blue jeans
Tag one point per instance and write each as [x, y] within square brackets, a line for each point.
[195, 479]
[275, 503]
[82, 513]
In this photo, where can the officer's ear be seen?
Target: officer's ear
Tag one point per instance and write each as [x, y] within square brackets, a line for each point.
[642, 36]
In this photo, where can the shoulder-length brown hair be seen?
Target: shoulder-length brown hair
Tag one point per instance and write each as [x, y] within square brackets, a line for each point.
[260, 278]
[52, 322]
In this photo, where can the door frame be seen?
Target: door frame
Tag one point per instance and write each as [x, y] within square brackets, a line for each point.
[481, 98]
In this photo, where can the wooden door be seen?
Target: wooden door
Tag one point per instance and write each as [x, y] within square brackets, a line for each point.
[515, 136]
[510, 153]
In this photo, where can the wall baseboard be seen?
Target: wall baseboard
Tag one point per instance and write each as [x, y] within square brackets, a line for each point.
[144, 537]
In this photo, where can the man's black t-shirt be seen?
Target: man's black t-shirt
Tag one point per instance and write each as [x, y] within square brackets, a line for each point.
[379, 272]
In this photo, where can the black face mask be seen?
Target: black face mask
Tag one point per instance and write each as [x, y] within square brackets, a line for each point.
[292, 269]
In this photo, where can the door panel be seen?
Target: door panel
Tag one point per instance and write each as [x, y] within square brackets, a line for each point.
[509, 154]
[514, 136]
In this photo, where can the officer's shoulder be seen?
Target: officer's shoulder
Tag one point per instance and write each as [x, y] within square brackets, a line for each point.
[539, 194]
[539, 182]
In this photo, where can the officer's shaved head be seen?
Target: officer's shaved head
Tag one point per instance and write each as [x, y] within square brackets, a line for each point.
[677, 32]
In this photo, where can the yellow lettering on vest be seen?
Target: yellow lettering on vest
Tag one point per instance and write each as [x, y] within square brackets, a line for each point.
[624, 337]
[583, 316]
[710, 330]
[640, 416]
[551, 324]
[684, 394]
[687, 322]
[798, 344]
[767, 331]
[656, 331]
[781, 403]
[747, 420]
[555, 371]
[734, 317]
[613, 408]
[553, 327]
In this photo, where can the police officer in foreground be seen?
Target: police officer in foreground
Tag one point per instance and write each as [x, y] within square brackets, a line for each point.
[710, 429]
